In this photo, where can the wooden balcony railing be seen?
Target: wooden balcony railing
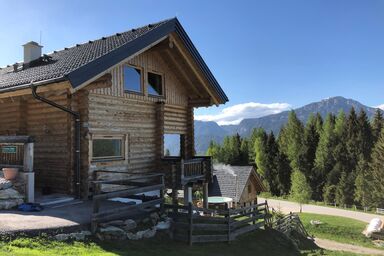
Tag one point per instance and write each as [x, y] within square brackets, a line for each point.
[187, 171]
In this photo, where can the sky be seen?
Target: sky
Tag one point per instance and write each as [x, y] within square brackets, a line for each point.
[268, 56]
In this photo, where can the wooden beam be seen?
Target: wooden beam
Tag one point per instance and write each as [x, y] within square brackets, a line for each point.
[180, 48]
[175, 65]
[46, 88]
[202, 102]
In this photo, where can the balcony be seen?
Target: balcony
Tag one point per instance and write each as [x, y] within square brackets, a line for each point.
[179, 172]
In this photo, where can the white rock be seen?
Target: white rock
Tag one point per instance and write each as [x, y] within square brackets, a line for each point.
[163, 225]
[10, 203]
[4, 184]
[132, 236]
[150, 233]
[112, 231]
[9, 193]
[62, 237]
[129, 225]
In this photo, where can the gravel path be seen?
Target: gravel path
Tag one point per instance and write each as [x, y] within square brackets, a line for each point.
[287, 207]
[335, 246]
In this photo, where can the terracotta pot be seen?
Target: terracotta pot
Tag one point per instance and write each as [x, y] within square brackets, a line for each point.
[10, 173]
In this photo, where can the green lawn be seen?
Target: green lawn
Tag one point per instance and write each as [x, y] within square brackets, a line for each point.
[340, 229]
[261, 242]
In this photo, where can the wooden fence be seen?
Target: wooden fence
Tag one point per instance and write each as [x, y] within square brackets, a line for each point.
[130, 187]
[288, 223]
[201, 225]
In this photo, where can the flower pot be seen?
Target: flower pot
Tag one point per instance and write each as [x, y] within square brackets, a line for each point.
[10, 173]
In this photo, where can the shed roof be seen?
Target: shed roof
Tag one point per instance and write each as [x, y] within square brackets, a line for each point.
[229, 181]
[82, 62]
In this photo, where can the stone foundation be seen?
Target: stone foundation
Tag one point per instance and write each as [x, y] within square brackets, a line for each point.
[11, 193]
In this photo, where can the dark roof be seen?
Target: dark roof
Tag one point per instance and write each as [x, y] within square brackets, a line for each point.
[82, 62]
[229, 181]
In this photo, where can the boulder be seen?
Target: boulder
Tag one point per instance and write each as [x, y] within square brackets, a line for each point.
[10, 193]
[164, 225]
[4, 184]
[149, 233]
[116, 223]
[113, 232]
[129, 225]
[154, 217]
[9, 203]
[62, 237]
[132, 236]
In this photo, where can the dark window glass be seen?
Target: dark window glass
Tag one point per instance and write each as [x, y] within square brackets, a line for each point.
[155, 84]
[132, 79]
[249, 189]
[107, 148]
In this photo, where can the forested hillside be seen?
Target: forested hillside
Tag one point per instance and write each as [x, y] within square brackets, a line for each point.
[341, 157]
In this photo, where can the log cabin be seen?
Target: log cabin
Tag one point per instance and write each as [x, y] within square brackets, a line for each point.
[102, 108]
[242, 184]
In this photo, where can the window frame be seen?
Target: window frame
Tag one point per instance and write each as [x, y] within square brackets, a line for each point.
[162, 83]
[122, 156]
[141, 92]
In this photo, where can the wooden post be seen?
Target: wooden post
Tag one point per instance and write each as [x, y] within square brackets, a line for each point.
[205, 195]
[96, 205]
[182, 169]
[28, 157]
[162, 194]
[174, 185]
[190, 216]
[228, 222]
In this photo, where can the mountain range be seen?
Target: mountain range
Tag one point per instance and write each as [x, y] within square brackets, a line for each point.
[207, 131]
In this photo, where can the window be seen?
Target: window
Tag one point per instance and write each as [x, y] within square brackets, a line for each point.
[108, 147]
[249, 188]
[155, 84]
[132, 79]
[172, 144]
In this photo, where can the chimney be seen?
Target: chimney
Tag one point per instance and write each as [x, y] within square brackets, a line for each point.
[32, 51]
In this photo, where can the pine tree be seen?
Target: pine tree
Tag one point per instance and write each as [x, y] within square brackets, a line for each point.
[214, 150]
[363, 183]
[377, 171]
[300, 189]
[291, 142]
[261, 154]
[283, 173]
[310, 142]
[353, 146]
[377, 125]
[364, 136]
[344, 189]
[244, 152]
[324, 161]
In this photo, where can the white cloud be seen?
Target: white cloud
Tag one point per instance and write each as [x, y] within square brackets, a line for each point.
[380, 106]
[236, 113]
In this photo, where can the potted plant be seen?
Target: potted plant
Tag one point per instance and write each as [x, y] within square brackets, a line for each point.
[10, 173]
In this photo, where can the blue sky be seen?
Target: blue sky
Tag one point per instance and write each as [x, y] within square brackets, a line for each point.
[267, 55]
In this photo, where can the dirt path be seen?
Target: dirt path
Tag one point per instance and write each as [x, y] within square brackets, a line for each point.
[287, 207]
[335, 246]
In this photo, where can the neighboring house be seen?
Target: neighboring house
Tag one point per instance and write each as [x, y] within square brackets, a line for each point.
[241, 183]
[118, 96]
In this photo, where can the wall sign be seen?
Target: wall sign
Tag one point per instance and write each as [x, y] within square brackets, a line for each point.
[8, 149]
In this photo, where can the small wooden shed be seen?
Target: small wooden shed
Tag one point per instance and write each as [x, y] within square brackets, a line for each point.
[241, 183]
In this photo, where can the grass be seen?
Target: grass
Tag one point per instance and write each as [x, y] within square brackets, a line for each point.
[354, 208]
[260, 242]
[340, 229]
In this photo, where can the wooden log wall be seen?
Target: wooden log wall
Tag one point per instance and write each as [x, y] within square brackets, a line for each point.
[23, 115]
[115, 112]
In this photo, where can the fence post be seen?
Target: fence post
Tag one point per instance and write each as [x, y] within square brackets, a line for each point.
[162, 194]
[96, 205]
[190, 215]
[229, 222]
